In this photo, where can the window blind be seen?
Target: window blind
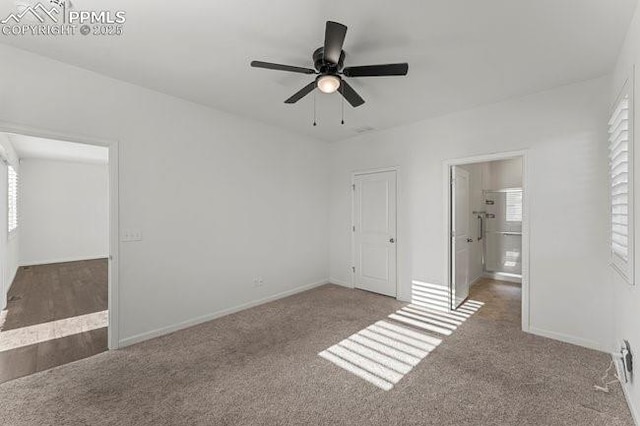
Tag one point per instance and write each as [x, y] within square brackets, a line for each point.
[12, 202]
[621, 186]
[514, 206]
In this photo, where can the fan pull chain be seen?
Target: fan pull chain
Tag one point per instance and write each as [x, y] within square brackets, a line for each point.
[314, 109]
[342, 122]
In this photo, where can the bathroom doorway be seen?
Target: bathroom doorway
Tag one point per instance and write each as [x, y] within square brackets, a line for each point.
[487, 241]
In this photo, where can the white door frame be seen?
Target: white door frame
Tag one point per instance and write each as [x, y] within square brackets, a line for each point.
[447, 164]
[355, 174]
[114, 230]
[4, 244]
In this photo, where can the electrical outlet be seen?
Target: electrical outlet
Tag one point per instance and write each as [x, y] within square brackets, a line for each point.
[131, 235]
[260, 282]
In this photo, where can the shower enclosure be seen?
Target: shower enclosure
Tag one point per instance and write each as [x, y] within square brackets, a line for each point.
[501, 231]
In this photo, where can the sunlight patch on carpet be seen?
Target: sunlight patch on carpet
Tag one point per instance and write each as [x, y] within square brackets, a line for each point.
[383, 353]
[25, 336]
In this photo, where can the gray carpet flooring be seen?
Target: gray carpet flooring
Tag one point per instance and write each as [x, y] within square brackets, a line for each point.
[261, 366]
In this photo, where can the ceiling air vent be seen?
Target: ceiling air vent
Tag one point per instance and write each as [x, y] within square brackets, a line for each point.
[363, 129]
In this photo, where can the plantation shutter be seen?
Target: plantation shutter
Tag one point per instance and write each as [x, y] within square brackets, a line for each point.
[12, 202]
[620, 173]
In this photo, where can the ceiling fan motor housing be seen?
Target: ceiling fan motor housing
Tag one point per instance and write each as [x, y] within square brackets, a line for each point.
[328, 62]
[325, 67]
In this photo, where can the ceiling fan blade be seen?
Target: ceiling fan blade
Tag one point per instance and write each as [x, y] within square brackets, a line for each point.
[349, 94]
[279, 67]
[377, 70]
[301, 93]
[333, 40]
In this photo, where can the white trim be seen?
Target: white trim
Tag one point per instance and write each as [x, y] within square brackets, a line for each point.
[362, 172]
[114, 230]
[352, 189]
[635, 415]
[340, 282]
[114, 247]
[214, 315]
[502, 276]
[446, 193]
[579, 341]
[11, 280]
[63, 260]
[476, 280]
[526, 236]
[375, 170]
[403, 298]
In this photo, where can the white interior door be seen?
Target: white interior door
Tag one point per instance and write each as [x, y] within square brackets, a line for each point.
[460, 238]
[375, 232]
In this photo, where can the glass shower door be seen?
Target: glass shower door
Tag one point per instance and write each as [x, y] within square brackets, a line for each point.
[503, 233]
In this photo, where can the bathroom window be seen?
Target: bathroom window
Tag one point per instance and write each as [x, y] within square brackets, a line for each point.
[620, 185]
[514, 206]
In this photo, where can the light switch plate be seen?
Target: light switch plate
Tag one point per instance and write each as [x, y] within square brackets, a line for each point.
[131, 235]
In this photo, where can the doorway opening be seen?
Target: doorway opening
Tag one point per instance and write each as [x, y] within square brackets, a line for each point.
[374, 226]
[487, 229]
[54, 252]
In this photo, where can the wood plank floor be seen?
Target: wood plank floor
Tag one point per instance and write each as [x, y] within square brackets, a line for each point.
[45, 293]
[504, 300]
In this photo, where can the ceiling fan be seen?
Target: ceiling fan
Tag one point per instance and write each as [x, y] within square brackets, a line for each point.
[329, 62]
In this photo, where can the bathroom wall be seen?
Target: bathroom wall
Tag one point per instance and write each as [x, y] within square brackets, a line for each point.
[503, 174]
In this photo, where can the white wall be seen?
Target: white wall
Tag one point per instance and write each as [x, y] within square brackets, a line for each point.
[219, 199]
[503, 174]
[64, 211]
[627, 298]
[9, 245]
[564, 131]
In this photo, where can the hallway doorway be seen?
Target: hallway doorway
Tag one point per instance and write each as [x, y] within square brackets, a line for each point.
[55, 255]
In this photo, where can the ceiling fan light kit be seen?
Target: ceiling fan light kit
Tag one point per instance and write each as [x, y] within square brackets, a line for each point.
[328, 62]
[328, 83]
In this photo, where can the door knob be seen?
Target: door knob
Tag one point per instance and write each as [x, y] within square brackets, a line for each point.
[391, 240]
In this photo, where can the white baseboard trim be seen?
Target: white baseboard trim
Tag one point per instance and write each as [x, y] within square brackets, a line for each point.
[5, 297]
[499, 276]
[340, 282]
[128, 341]
[403, 299]
[579, 341]
[12, 278]
[63, 260]
[476, 280]
[635, 415]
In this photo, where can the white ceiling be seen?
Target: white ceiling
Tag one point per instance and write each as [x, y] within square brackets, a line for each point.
[461, 53]
[49, 149]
